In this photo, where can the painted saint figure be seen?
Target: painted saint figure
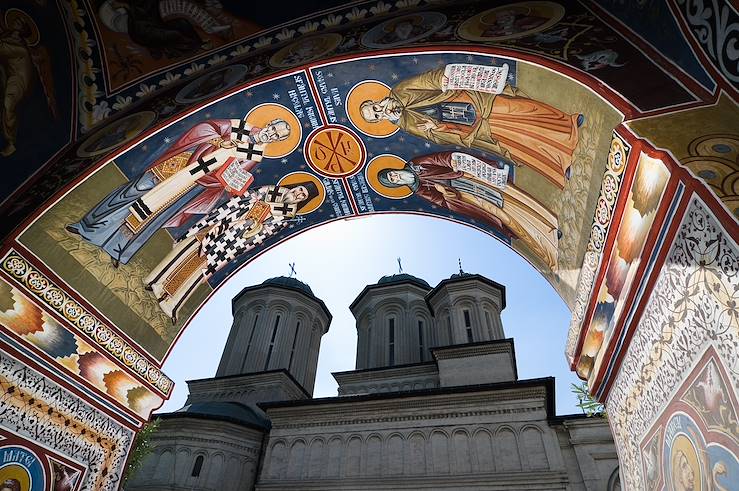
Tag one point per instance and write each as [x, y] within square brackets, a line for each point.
[520, 129]
[180, 184]
[227, 232]
[22, 60]
[478, 188]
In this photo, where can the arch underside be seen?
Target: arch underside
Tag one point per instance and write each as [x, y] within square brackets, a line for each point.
[583, 145]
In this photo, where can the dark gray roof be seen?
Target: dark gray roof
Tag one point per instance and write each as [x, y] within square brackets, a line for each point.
[289, 282]
[233, 412]
[397, 278]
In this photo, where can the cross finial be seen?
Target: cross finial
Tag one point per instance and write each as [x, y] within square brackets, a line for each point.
[292, 269]
[460, 265]
[400, 266]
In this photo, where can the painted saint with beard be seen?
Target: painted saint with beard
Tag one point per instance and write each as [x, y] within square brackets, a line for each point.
[480, 189]
[523, 130]
[180, 184]
[227, 232]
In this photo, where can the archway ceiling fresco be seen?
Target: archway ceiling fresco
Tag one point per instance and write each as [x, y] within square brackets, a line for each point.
[95, 96]
[532, 188]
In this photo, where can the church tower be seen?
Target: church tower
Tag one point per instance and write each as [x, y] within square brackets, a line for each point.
[467, 309]
[394, 325]
[277, 325]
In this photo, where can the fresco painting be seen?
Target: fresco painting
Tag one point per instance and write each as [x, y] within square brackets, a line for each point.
[147, 239]
[29, 467]
[647, 188]
[141, 37]
[72, 354]
[692, 444]
[706, 141]
[35, 90]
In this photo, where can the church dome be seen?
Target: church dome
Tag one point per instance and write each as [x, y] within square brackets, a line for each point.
[290, 283]
[397, 278]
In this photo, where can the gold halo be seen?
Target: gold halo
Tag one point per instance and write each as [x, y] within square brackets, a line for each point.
[684, 444]
[13, 14]
[472, 29]
[18, 472]
[386, 161]
[295, 177]
[263, 114]
[368, 90]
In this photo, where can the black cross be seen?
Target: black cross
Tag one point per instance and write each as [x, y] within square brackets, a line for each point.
[220, 256]
[292, 269]
[250, 151]
[273, 194]
[203, 165]
[400, 266]
[241, 130]
[283, 208]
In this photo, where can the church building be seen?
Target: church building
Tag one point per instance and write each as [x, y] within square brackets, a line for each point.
[434, 402]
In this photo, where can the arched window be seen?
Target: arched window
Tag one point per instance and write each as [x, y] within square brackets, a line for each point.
[272, 342]
[420, 340]
[391, 340]
[197, 466]
[248, 345]
[468, 325]
[292, 350]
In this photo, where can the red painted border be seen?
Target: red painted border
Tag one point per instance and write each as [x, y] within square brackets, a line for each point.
[623, 195]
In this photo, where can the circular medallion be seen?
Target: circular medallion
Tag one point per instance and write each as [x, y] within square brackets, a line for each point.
[368, 90]
[304, 50]
[511, 21]
[263, 114]
[211, 83]
[334, 151]
[116, 134]
[403, 30]
[302, 178]
[381, 163]
[21, 469]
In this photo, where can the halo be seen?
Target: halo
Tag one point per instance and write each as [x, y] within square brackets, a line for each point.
[17, 472]
[386, 161]
[684, 444]
[13, 14]
[133, 125]
[363, 91]
[473, 28]
[263, 114]
[295, 177]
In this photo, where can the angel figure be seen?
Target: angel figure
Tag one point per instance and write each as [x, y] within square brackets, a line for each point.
[21, 56]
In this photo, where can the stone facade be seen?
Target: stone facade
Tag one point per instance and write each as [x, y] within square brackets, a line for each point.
[435, 407]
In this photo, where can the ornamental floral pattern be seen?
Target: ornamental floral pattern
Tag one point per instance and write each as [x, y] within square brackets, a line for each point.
[42, 411]
[54, 297]
[694, 305]
[617, 157]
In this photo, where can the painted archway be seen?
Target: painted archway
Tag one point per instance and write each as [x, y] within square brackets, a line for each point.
[606, 160]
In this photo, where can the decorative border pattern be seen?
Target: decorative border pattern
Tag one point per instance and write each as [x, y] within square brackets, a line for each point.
[54, 297]
[47, 414]
[618, 156]
[692, 305]
[716, 28]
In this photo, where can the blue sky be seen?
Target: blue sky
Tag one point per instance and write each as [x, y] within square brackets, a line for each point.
[338, 259]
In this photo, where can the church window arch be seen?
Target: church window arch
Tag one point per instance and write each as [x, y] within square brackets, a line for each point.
[197, 466]
[275, 327]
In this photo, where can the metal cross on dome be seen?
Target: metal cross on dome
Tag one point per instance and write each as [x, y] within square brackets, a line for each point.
[292, 269]
[400, 267]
